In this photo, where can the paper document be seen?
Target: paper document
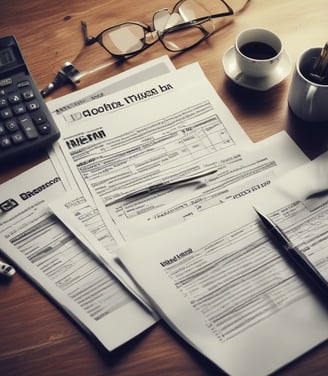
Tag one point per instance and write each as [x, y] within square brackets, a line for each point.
[82, 218]
[224, 287]
[241, 172]
[154, 132]
[298, 203]
[133, 76]
[81, 210]
[35, 240]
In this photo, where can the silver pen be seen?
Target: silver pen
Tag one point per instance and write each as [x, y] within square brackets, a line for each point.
[320, 67]
[303, 264]
[162, 186]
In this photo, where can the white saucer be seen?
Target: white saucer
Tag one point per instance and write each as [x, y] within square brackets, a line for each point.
[261, 84]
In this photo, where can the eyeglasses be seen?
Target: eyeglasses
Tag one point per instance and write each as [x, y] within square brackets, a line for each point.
[189, 23]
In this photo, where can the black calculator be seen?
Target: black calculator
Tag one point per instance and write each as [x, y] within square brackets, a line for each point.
[26, 124]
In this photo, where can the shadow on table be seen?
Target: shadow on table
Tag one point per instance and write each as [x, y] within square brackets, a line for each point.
[311, 137]
[256, 102]
[172, 354]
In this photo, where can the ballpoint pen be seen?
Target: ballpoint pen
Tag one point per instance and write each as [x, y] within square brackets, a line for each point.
[320, 67]
[303, 264]
[164, 185]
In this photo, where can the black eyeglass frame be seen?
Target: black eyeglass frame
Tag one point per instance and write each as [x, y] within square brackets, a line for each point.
[160, 35]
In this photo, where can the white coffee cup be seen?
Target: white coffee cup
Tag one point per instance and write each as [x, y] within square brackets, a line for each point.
[307, 99]
[258, 51]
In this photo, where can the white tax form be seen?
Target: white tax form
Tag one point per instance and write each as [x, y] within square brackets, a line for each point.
[224, 287]
[59, 106]
[35, 240]
[241, 172]
[162, 129]
[298, 203]
[82, 218]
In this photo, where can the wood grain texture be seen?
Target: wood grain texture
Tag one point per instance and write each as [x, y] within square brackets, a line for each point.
[36, 337]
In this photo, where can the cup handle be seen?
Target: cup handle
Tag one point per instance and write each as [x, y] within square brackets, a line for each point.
[309, 98]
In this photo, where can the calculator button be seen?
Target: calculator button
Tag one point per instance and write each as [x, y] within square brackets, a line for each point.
[5, 142]
[19, 109]
[28, 127]
[44, 128]
[18, 138]
[3, 102]
[23, 84]
[32, 106]
[38, 117]
[2, 130]
[11, 125]
[6, 81]
[27, 95]
[14, 98]
[6, 114]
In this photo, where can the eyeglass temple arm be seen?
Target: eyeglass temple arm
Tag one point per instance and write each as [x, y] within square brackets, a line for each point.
[230, 10]
[195, 23]
[87, 40]
[198, 21]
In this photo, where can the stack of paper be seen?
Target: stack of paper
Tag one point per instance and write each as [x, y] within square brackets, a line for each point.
[225, 287]
[200, 242]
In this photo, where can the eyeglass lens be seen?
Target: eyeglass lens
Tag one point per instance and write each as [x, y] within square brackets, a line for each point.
[130, 37]
[124, 39]
[178, 39]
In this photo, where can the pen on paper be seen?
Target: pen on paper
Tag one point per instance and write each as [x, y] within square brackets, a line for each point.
[302, 263]
[6, 269]
[165, 185]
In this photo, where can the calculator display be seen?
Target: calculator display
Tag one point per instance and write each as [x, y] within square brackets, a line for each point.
[26, 125]
[7, 57]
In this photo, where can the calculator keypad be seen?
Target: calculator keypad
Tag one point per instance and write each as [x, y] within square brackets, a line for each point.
[21, 118]
[26, 124]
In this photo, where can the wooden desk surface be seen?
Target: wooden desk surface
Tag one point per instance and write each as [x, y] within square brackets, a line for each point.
[38, 339]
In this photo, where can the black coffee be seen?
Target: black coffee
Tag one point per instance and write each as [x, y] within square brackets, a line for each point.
[258, 50]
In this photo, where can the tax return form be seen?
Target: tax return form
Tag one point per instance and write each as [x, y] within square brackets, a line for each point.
[133, 76]
[241, 172]
[143, 135]
[225, 287]
[38, 243]
[54, 259]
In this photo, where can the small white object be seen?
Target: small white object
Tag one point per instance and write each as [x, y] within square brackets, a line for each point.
[6, 269]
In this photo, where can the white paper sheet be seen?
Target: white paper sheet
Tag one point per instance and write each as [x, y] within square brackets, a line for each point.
[162, 129]
[225, 288]
[51, 256]
[133, 76]
[82, 218]
[88, 210]
[298, 203]
[129, 78]
[241, 172]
